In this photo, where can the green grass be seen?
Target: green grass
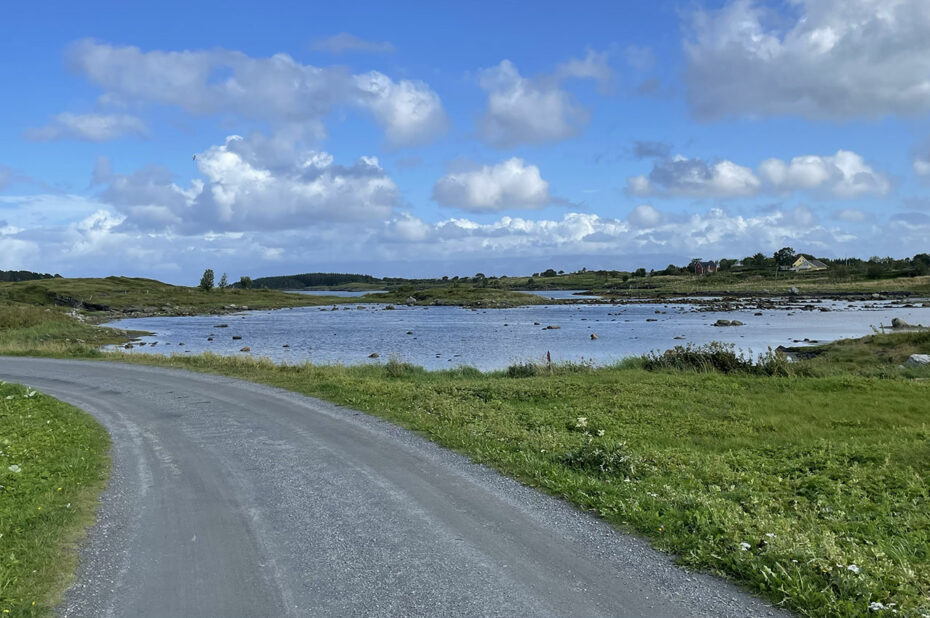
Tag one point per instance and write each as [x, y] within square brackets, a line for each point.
[27, 329]
[53, 465]
[149, 295]
[742, 280]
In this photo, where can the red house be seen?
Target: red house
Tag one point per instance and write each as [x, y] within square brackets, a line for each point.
[703, 268]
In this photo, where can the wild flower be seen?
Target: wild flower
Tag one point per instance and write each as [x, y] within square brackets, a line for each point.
[744, 546]
[8, 397]
[854, 568]
[600, 433]
[875, 606]
[15, 469]
[30, 393]
[581, 421]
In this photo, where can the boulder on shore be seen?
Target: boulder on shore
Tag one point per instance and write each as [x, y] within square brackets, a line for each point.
[918, 360]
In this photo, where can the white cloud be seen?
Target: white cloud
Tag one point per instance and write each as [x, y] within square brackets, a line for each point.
[240, 191]
[507, 185]
[645, 215]
[278, 90]
[694, 177]
[344, 42]
[592, 66]
[922, 166]
[409, 111]
[525, 111]
[844, 175]
[829, 59]
[90, 127]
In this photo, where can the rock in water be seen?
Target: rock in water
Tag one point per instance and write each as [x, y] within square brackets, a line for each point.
[374, 355]
[245, 349]
[593, 336]
[918, 360]
[722, 323]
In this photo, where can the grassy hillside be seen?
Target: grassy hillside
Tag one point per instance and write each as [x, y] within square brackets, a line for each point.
[146, 296]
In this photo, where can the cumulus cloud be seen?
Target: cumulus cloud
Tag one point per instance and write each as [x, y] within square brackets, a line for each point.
[696, 178]
[511, 184]
[409, 111]
[344, 42]
[278, 90]
[592, 66]
[535, 111]
[240, 191]
[922, 166]
[644, 215]
[89, 127]
[98, 237]
[828, 59]
[844, 174]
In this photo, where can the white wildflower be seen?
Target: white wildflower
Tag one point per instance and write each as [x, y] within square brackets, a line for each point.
[600, 433]
[8, 397]
[30, 393]
[653, 495]
[581, 421]
[770, 535]
[875, 606]
[15, 469]
[854, 568]
[744, 546]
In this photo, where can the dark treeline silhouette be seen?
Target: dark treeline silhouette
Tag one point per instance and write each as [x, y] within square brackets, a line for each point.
[24, 275]
[306, 280]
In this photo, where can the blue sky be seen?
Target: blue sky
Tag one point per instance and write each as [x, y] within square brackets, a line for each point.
[402, 139]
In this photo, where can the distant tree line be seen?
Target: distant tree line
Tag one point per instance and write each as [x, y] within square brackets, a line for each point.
[306, 280]
[24, 275]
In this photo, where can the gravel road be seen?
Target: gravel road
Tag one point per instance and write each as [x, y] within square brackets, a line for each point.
[233, 499]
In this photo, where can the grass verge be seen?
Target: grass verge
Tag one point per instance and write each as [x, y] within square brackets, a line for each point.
[53, 465]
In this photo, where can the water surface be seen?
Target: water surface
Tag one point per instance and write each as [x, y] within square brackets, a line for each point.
[440, 337]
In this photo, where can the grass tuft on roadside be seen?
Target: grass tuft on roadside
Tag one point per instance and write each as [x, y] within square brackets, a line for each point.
[53, 464]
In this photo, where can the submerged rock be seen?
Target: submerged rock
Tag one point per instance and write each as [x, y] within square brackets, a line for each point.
[374, 355]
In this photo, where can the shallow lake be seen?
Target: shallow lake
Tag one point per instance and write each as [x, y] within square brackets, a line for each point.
[441, 337]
